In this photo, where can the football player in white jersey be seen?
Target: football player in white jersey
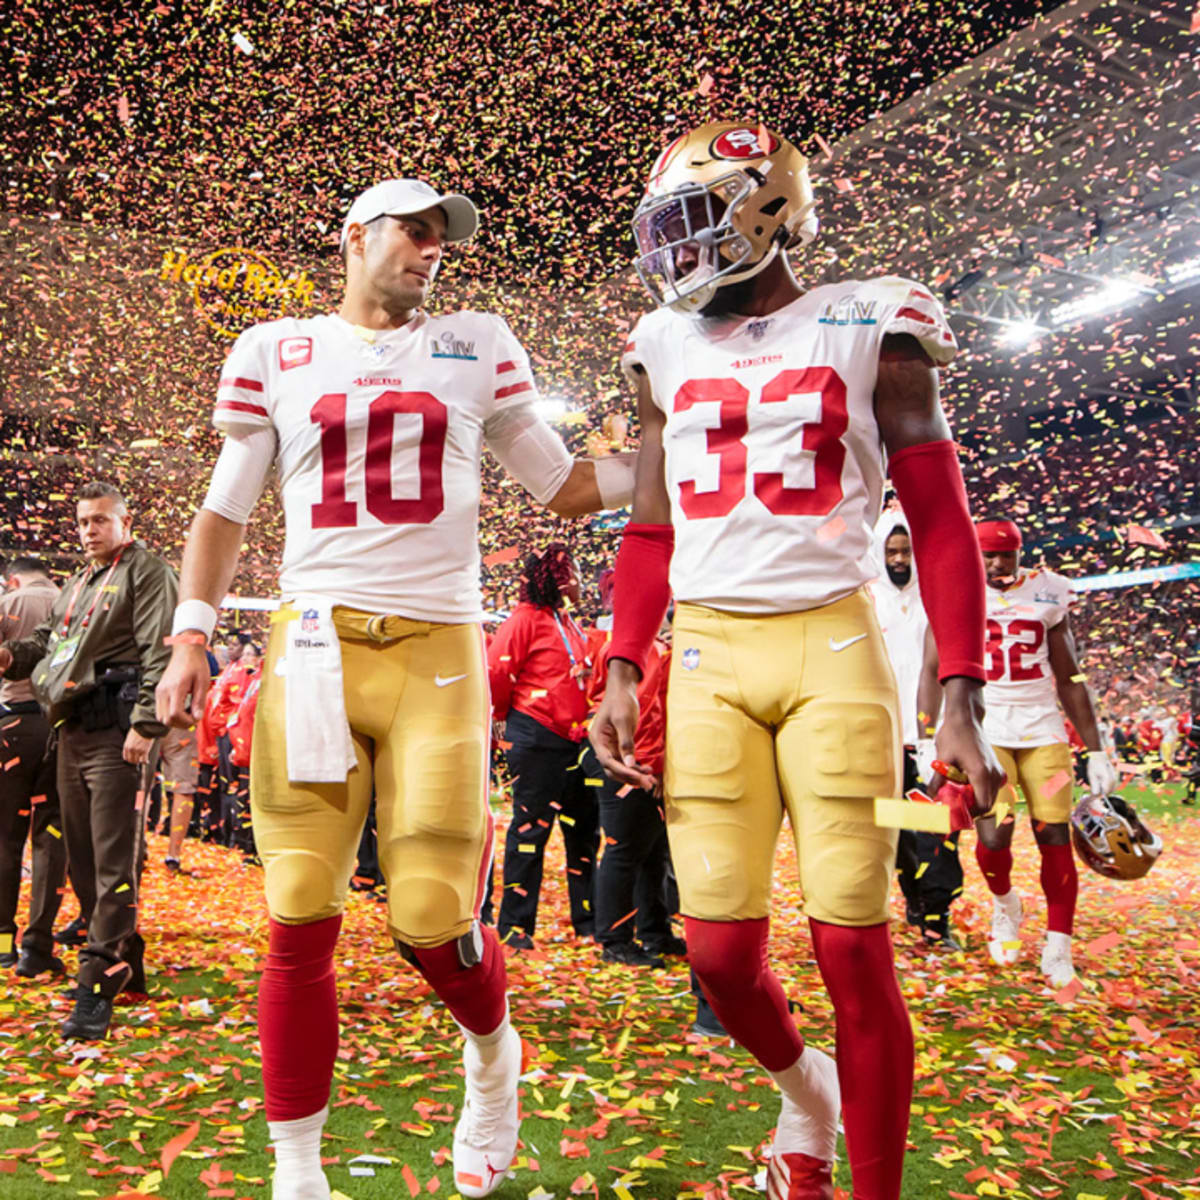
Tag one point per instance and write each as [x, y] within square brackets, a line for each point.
[375, 419]
[767, 414]
[1032, 668]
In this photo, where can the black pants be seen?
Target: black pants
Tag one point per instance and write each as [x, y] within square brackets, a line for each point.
[929, 892]
[29, 800]
[547, 782]
[631, 878]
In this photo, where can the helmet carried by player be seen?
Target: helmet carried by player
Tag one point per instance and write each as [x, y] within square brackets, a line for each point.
[1110, 837]
[721, 202]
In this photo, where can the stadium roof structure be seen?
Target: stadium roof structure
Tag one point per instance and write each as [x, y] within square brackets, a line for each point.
[1060, 168]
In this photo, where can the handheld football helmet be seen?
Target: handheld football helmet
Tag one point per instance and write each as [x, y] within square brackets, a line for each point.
[1110, 837]
[720, 204]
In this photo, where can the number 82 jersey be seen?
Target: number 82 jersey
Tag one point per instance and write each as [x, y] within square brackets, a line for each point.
[1020, 698]
[773, 458]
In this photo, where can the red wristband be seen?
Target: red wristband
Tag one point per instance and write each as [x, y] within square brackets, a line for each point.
[641, 591]
[929, 485]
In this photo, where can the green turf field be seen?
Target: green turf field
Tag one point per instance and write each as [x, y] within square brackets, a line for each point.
[1019, 1093]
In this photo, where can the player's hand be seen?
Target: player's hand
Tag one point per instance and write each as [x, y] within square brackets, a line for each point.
[186, 678]
[1102, 778]
[5, 659]
[136, 748]
[961, 744]
[614, 725]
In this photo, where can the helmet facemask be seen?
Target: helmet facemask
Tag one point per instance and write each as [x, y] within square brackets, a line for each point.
[697, 217]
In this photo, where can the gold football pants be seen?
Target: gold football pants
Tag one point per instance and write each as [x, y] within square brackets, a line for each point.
[1044, 773]
[419, 711]
[794, 712]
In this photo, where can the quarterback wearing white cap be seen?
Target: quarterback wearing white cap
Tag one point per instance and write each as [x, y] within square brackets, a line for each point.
[374, 419]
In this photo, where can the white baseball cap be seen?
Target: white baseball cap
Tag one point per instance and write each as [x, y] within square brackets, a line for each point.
[400, 197]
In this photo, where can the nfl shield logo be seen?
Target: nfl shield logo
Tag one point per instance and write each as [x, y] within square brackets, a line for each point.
[691, 658]
[757, 329]
[310, 622]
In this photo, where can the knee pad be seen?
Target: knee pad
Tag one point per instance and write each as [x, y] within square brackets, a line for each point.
[302, 887]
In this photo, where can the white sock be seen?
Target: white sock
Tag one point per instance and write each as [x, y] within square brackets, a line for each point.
[795, 1083]
[298, 1142]
[1058, 942]
[489, 1045]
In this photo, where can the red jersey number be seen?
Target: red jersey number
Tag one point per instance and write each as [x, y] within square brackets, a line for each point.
[335, 511]
[1026, 640]
[728, 441]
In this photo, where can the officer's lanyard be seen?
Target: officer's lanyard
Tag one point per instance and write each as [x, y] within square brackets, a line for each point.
[562, 633]
[87, 616]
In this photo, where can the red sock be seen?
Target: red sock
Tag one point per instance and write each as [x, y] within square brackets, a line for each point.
[730, 960]
[297, 1018]
[1060, 882]
[474, 995]
[996, 866]
[874, 1052]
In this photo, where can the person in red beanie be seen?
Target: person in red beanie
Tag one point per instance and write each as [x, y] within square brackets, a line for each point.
[1032, 668]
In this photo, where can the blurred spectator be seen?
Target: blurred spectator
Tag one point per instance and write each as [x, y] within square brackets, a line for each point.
[28, 793]
[240, 731]
[180, 768]
[538, 667]
[632, 920]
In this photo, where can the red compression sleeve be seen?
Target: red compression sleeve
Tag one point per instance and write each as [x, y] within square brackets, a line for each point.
[641, 590]
[929, 485]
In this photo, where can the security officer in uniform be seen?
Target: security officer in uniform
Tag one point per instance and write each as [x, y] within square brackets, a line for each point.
[94, 666]
[28, 796]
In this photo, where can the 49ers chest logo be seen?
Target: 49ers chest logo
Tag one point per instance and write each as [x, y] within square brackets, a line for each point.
[743, 144]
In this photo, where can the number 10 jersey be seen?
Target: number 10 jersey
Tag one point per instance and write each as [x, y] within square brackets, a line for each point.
[773, 457]
[379, 438]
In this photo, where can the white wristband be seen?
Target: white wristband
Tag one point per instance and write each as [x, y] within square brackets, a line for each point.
[194, 614]
[614, 480]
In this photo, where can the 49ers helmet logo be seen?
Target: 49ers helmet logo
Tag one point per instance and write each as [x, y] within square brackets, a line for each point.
[743, 143]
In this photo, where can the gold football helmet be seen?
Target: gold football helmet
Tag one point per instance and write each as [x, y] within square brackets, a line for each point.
[720, 204]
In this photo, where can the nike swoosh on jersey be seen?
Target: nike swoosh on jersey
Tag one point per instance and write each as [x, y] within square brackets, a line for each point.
[836, 646]
[452, 679]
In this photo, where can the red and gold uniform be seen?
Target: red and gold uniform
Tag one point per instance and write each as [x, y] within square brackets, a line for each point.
[781, 697]
[1023, 721]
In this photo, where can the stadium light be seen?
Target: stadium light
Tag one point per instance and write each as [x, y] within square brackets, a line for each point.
[1116, 294]
[1019, 334]
[1184, 272]
[550, 408]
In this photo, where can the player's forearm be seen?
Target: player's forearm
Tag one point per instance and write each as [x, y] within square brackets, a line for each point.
[964, 699]
[1076, 700]
[596, 484]
[210, 558]
[929, 701]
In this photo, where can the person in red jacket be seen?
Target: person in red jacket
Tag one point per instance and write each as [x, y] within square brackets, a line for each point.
[538, 668]
[241, 735]
[631, 876]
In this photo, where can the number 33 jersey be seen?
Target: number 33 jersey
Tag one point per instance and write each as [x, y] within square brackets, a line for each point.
[1019, 696]
[773, 458]
[379, 437]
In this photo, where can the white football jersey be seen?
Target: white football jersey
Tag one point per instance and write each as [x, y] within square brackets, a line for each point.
[903, 623]
[1019, 695]
[774, 464]
[378, 451]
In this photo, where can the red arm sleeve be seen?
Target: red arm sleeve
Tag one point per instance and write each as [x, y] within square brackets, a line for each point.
[506, 655]
[929, 485]
[641, 591]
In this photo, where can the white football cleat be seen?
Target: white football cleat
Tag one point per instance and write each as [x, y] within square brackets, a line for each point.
[298, 1174]
[485, 1138]
[801, 1166]
[1005, 943]
[1057, 966]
